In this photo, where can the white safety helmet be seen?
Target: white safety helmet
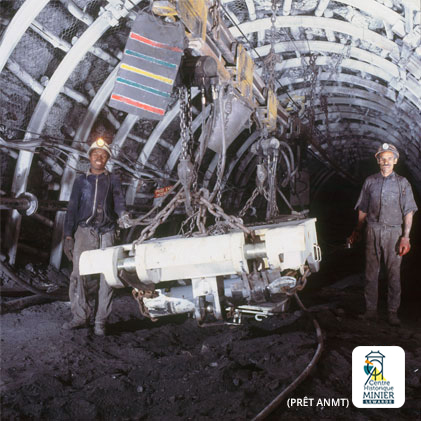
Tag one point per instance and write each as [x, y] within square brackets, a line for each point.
[387, 147]
[100, 144]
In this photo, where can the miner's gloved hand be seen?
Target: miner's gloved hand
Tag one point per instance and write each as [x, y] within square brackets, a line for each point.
[68, 246]
[404, 246]
[124, 221]
[354, 237]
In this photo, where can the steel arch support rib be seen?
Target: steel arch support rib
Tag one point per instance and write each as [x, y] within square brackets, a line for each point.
[17, 27]
[337, 48]
[241, 151]
[148, 148]
[321, 23]
[39, 117]
[413, 91]
[122, 133]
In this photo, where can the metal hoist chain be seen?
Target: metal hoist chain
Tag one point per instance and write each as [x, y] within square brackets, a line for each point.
[184, 126]
[249, 203]
[272, 209]
[218, 212]
[312, 78]
[215, 12]
[139, 295]
[323, 98]
[185, 168]
[189, 117]
[271, 59]
[201, 200]
[160, 218]
[346, 51]
[323, 103]
[226, 112]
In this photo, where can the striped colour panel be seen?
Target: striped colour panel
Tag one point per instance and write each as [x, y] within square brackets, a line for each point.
[149, 67]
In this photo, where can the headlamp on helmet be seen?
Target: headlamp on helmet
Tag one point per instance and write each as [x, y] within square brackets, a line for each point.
[387, 147]
[100, 144]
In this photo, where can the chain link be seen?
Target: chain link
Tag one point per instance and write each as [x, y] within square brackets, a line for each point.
[249, 202]
[272, 208]
[189, 116]
[271, 59]
[215, 12]
[232, 221]
[139, 295]
[310, 76]
[184, 128]
[226, 112]
[324, 106]
[323, 98]
[161, 217]
[201, 200]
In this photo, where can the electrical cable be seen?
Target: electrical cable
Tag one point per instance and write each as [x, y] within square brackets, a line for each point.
[275, 402]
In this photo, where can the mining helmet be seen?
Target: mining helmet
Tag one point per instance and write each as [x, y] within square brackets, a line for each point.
[100, 144]
[387, 147]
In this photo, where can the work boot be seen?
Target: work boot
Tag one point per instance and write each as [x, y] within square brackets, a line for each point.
[393, 319]
[99, 329]
[74, 324]
[369, 315]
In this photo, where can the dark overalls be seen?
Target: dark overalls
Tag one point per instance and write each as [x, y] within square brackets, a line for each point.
[95, 204]
[386, 200]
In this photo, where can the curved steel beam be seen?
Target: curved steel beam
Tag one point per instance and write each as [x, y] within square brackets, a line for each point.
[233, 162]
[393, 136]
[122, 133]
[410, 114]
[320, 23]
[343, 117]
[18, 26]
[148, 148]
[109, 17]
[338, 48]
[390, 117]
[241, 151]
[413, 91]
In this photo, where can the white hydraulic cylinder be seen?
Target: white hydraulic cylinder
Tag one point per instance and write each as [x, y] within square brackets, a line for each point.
[187, 258]
[286, 245]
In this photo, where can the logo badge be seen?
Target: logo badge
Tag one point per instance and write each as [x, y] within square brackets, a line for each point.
[378, 377]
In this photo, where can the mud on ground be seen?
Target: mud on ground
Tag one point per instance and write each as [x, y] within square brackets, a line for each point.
[174, 370]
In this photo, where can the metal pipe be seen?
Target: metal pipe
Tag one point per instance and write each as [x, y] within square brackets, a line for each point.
[24, 202]
[47, 222]
[14, 203]
[253, 251]
[128, 264]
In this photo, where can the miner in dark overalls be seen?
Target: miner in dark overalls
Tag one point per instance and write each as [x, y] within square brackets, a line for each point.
[96, 204]
[387, 204]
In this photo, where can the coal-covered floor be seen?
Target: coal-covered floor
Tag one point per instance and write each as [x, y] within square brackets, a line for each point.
[174, 370]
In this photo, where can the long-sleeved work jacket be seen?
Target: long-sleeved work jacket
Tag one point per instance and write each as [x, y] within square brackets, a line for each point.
[96, 201]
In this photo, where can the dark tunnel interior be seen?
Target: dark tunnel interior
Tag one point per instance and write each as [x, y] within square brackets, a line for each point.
[230, 126]
[333, 206]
